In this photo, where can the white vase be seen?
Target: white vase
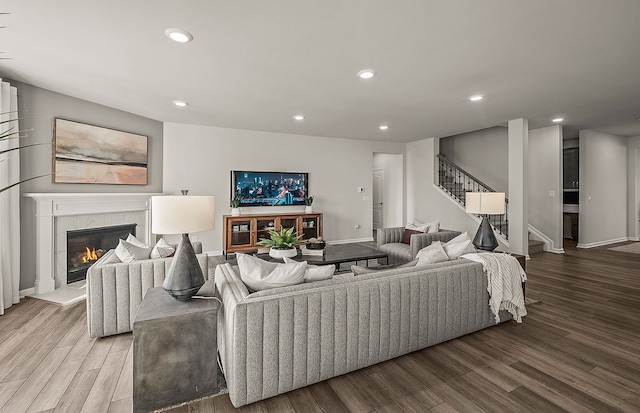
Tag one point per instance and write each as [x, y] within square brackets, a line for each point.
[308, 209]
[235, 212]
[280, 253]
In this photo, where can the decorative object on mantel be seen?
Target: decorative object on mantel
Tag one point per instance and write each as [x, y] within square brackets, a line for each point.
[485, 204]
[182, 214]
[282, 243]
[308, 201]
[87, 154]
[235, 206]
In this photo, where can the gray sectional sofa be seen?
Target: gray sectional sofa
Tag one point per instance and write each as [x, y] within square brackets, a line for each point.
[278, 340]
[115, 291]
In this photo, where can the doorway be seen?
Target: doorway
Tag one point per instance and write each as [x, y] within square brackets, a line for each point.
[388, 190]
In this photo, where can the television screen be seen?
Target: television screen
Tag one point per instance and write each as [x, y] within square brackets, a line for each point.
[269, 188]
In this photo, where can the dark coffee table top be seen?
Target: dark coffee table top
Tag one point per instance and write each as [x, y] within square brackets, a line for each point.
[336, 254]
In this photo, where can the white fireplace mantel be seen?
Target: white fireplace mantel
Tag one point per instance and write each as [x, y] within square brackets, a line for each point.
[50, 206]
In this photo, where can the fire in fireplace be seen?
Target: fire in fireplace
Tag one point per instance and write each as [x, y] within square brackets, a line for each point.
[86, 246]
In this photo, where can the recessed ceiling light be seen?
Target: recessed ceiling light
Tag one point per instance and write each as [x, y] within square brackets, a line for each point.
[476, 98]
[298, 117]
[383, 127]
[557, 120]
[180, 103]
[366, 74]
[178, 35]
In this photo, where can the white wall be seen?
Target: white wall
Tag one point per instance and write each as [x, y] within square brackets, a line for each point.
[425, 201]
[470, 151]
[200, 158]
[545, 176]
[633, 224]
[603, 189]
[393, 188]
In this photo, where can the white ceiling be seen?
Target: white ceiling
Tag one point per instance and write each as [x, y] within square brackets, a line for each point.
[254, 64]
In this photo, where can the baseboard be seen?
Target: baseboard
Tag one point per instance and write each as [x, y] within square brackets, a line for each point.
[556, 250]
[349, 241]
[27, 291]
[602, 243]
[213, 253]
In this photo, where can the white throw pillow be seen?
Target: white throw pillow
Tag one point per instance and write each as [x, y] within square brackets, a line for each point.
[260, 275]
[432, 254]
[162, 249]
[315, 272]
[108, 257]
[128, 252]
[421, 228]
[434, 226]
[458, 246]
[131, 239]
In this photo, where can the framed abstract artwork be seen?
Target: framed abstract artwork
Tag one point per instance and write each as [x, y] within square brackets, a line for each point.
[87, 154]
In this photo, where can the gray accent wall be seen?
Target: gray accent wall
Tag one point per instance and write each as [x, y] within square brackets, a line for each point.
[483, 153]
[39, 107]
[200, 158]
[603, 189]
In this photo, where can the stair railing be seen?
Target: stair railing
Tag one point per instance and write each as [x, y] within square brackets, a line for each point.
[457, 182]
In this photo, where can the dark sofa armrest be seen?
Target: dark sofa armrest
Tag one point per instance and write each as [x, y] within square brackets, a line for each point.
[419, 241]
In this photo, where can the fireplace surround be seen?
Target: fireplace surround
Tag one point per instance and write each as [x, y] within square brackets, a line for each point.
[58, 213]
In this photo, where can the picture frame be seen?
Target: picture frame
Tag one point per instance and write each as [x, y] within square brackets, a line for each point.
[89, 154]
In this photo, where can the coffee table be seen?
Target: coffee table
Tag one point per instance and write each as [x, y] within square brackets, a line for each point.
[337, 254]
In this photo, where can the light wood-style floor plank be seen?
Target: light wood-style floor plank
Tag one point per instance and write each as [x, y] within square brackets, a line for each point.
[576, 351]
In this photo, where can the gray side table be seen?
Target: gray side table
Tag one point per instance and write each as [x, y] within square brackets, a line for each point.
[174, 351]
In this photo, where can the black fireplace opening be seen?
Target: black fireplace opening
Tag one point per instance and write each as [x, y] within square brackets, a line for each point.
[86, 246]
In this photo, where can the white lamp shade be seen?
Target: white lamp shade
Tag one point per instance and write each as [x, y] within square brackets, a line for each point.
[491, 203]
[182, 214]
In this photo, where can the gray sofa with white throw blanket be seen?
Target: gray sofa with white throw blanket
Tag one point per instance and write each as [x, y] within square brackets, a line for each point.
[115, 291]
[278, 340]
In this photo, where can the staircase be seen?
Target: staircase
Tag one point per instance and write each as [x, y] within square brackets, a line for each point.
[457, 182]
[535, 246]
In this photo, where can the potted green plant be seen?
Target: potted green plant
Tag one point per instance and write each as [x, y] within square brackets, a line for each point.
[282, 243]
[235, 206]
[308, 201]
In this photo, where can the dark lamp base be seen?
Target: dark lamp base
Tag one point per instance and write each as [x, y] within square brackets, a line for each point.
[485, 239]
[185, 275]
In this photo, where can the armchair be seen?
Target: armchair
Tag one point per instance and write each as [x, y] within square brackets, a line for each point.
[389, 240]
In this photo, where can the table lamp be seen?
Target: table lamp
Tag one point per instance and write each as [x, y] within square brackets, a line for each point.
[182, 214]
[485, 204]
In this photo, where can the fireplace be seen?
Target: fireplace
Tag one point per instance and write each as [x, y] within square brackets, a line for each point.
[86, 246]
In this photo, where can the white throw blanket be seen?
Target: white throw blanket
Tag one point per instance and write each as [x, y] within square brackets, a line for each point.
[504, 283]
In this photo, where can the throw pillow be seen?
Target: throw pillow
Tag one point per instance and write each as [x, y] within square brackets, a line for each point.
[406, 235]
[162, 249]
[432, 254]
[131, 239]
[108, 257]
[433, 226]
[420, 228]
[315, 272]
[417, 222]
[260, 275]
[128, 252]
[358, 270]
[458, 246]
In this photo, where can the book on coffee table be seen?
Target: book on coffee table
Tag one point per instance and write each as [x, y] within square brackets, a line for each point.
[307, 251]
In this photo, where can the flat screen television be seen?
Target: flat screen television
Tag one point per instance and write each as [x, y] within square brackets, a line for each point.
[269, 188]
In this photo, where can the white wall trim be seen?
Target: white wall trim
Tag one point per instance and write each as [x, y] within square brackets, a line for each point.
[601, 243]
[27, 291]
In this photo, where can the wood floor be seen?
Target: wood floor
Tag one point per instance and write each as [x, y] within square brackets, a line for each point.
[577, 351]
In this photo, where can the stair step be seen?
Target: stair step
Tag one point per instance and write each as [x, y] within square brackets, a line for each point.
[535, 246]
